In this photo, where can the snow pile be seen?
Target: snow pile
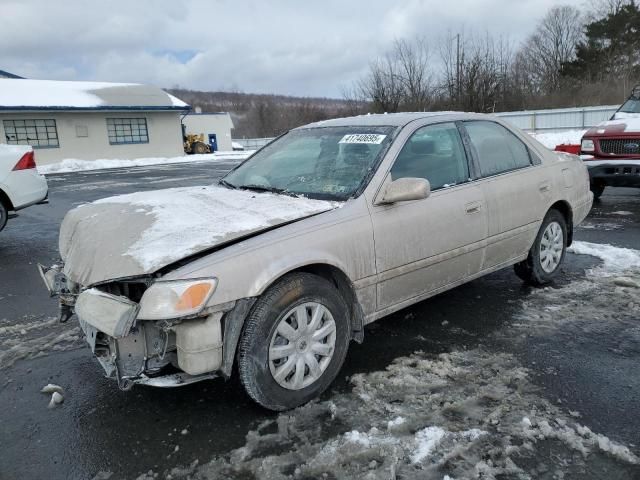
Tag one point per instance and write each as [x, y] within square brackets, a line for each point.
[33, 338]
[427, 440]
[615, 259]
[456, 415]
[553, 139]
[76, 165]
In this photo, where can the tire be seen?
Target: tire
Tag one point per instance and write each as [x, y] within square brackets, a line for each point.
[199, 148]
[262, 338]
[534, 270]
[597, 190]
[4, 215]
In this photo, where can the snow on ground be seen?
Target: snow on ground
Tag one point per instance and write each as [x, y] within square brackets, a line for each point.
[468, 414]
[76, 165]
[552, 139]
[616, 259]
[32, 337]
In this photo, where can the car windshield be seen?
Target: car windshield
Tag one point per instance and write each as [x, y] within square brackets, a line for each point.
[323, 162]
[630, 106]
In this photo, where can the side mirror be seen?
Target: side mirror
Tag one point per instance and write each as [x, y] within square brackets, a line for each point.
[406, 189]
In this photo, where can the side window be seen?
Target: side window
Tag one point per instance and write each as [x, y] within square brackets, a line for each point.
[434, 152]
[498, 149]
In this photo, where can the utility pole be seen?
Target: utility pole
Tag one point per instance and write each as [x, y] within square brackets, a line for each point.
[458, 84]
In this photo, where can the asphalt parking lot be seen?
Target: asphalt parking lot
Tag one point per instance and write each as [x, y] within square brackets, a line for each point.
[585, 366]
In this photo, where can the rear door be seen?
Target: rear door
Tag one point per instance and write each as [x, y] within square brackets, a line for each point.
[516, 188]
[425, 245]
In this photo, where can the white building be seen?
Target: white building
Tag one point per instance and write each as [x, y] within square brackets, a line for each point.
[215, 128]
[90, 120]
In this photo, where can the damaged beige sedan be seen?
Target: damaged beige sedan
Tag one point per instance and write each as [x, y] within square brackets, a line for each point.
[277, 267]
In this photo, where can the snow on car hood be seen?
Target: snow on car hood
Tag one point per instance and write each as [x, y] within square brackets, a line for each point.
[139, 233]
[620, 126]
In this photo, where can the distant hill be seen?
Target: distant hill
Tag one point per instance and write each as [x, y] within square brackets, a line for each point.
[262, 115]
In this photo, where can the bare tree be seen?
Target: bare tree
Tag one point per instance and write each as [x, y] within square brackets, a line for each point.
[400, 80]
[476, 72]
[382, 85]
[355, 101]
[415, 76]
[601, 8]
[549, 47]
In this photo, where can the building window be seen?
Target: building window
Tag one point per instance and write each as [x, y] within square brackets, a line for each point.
[37, 133]
[127, 130]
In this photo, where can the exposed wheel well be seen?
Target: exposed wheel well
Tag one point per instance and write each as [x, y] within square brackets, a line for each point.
[346, 289]
[565, 209]
[4, 199]
[235, 318]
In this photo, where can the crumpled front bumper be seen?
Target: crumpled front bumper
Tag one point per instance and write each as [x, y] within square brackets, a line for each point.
[132, 351]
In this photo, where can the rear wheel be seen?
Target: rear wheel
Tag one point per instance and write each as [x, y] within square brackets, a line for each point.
[4, 215]
[597, 190]
[547, 253]
[294, 342]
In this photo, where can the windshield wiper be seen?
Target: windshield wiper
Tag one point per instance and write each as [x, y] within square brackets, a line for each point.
[222, 181]
[263, 188]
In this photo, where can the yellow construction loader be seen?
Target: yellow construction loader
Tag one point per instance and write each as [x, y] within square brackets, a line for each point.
[194, 143]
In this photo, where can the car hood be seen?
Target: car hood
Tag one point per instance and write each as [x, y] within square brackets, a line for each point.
[138, 234]
[626, 127]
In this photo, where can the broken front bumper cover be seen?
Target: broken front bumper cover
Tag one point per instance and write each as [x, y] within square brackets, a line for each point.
[113, 366]
[133, 351]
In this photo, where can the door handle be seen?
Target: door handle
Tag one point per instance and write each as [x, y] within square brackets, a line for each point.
[473, 207]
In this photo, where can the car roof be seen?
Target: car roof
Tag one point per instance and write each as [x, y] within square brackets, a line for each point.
[391, 119]
[377, 119]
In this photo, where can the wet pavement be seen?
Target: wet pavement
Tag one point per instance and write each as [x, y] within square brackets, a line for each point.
[100, 429]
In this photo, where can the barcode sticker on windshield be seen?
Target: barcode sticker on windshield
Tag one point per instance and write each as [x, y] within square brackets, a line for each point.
[363, 138]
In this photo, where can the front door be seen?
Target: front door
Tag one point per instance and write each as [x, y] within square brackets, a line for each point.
[425, 245]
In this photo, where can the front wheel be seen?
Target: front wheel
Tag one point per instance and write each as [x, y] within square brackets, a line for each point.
[547, 253]
[294, 342]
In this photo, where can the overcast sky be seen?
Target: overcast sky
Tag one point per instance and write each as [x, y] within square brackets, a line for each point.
[308, 48]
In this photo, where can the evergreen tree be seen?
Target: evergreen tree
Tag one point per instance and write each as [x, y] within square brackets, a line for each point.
[611, 49]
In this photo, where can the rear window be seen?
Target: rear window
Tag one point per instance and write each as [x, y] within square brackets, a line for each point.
[498, 149]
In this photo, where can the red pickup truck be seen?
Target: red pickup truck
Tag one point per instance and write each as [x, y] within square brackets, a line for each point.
[611, 150]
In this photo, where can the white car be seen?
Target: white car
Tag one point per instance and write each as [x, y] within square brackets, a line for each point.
[20, 183]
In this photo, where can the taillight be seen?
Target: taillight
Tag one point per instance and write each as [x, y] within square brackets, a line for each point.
[26, 162]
